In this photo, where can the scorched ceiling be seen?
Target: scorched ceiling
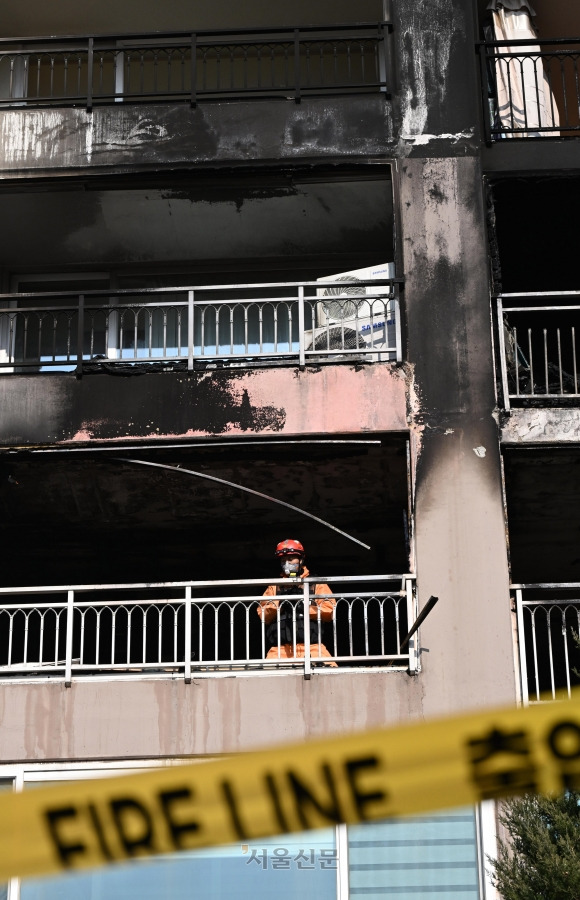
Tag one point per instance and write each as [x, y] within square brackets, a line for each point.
[91, 517]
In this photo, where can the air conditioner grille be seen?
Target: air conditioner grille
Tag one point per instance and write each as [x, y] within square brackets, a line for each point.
[337, 339]
[336, 308]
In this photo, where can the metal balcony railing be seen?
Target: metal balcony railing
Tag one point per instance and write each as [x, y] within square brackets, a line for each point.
[199, 326]
[199, 628]
[538, 352]
[531, 88]
[548, 618]
[206, 65]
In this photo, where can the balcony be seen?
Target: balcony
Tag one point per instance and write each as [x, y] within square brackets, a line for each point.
[248, 325]
[122, 103]
[200, 629]
[538, 351]
[548, 617]
[191, 67]
[530, 88]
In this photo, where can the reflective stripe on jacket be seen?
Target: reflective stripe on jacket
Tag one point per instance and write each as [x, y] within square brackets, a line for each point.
[286, 599]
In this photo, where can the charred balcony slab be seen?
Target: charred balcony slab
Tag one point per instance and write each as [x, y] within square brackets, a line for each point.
[123, 138]
[180, 99]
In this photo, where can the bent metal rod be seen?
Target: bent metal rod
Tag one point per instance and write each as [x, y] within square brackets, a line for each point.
[240, 487]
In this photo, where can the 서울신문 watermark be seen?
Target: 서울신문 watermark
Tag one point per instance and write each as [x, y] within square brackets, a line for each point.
[283, 858]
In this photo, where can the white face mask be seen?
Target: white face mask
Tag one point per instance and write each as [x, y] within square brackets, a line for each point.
[290, 568]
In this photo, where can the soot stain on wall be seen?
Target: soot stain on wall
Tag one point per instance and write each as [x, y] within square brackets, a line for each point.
[99, 408]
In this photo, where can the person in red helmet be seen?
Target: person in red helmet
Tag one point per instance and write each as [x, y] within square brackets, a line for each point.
[283, 612]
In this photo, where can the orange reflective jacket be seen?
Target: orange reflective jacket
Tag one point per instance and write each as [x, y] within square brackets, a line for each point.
[326, 604]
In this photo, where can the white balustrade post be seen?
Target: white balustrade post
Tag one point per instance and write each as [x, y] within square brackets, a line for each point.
[190, 331]
[307, 662]
[411, 617]
[522, 649]
[398, 338]
[188, 634]
[502, 357]
[69, 638]
[301, 335]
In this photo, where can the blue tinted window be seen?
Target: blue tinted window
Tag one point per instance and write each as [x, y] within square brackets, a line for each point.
[414, 857]
[284, 868]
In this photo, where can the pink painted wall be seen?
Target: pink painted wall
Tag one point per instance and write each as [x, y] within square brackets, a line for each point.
[332, 399]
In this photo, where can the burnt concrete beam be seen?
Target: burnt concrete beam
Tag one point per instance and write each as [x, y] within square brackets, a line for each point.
[52, 409]
[446, 287]
[460, 536]
[524, 157]
[124, 137]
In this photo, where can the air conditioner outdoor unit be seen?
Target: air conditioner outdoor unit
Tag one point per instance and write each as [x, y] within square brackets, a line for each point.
[353, 316]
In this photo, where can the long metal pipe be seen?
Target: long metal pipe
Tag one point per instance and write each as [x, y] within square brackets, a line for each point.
[161, 445]
[240, 487]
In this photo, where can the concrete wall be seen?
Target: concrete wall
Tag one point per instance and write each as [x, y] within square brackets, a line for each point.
[136, 138]
[333, 399]
[117, 719]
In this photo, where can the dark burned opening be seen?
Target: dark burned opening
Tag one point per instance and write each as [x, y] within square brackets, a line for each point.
[204, 227]
[87, 517]
[537, 236]
[535, 242]
[543, 499]
[91, 518]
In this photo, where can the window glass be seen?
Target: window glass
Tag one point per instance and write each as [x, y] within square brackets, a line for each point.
[406, 858]
[285, 868]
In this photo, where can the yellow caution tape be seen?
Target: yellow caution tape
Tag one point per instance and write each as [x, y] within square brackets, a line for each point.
[352, 778]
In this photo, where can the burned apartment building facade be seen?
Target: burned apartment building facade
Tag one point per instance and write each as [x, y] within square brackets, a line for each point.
[271, 273]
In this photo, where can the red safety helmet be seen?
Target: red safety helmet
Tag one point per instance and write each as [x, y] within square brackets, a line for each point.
[290, 548]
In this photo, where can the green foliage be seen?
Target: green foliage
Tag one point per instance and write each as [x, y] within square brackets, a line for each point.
[542, 859]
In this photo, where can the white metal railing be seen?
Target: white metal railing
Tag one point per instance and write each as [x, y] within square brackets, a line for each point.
[228, 324]
[548, 617]
[202, 627]
[539, 353]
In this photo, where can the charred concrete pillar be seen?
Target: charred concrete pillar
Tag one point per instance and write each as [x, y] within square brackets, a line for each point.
[468, 655]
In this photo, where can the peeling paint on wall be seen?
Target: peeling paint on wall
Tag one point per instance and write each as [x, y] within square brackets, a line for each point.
[541, 425]
[423, 139]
